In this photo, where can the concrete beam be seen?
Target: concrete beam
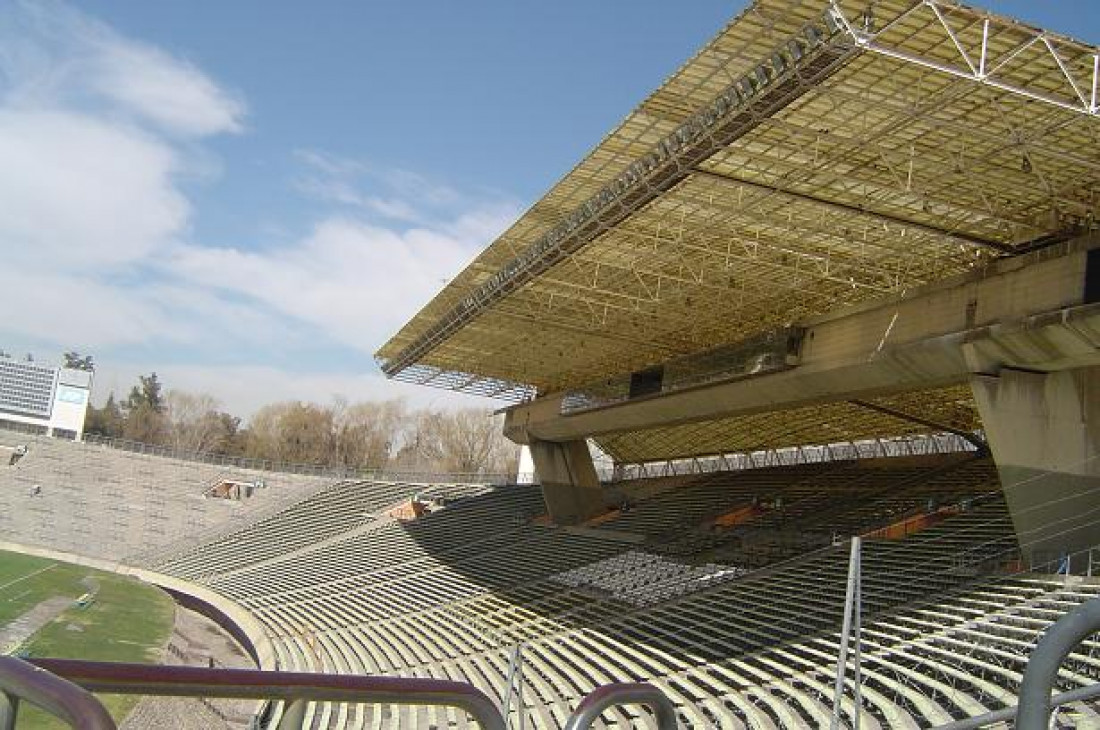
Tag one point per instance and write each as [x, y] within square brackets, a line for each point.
[1029, 312]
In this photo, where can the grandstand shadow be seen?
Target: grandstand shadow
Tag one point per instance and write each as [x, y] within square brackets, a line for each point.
[341, 585]
[483, 568]
[490, 560]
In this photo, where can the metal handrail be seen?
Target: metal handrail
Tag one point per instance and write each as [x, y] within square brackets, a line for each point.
[63, 686]
[1065, 698]
[21, 680]
[175, 681]
[1033, 712]
[613, 695]
[1035, 703]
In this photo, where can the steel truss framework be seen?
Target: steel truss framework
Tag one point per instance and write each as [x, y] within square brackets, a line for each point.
[916, 445]
[819, 424]
[815, 153]
[980, 57]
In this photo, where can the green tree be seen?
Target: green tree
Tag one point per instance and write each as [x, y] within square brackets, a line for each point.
[75, 361]
[145, 424]
[145, 412]
[106, 421]
[148, 393]
[231, 436]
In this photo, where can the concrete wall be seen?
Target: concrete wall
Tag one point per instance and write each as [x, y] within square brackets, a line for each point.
[1044, 431]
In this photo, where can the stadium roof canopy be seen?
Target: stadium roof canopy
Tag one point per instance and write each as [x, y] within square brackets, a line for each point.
[814, 154]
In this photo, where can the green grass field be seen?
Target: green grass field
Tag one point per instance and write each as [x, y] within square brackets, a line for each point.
[129, 621]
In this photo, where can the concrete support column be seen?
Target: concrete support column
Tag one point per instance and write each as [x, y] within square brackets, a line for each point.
[569, 481]
[1044, 431]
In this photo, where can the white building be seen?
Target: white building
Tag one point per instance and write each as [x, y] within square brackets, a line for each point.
[43, 398]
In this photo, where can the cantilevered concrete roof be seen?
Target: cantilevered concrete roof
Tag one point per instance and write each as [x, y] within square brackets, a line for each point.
[809, 156]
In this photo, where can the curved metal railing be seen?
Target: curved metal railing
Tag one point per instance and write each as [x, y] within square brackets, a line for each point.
[33, 681]
[63, 687]
[614, 695]
[21, 681]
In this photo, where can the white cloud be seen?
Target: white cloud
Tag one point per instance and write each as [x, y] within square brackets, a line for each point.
[354, 278]
[96, 131]
[52, 55]
[344, 193]
[169, 92]
[242, 390]
[356, 282]
[400, 195]
[81, 193]
[69, 309]
[76, 310]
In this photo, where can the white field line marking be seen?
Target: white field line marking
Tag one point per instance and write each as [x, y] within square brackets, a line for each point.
[28, 575]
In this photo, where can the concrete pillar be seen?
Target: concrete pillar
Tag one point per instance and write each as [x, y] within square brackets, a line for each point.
[1044, 431]
[569, 481]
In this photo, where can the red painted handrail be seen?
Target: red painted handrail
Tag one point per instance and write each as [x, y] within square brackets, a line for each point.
[149, 679]
[22, 681]
[62, 687]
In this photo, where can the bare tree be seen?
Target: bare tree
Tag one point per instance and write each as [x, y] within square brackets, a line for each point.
[367, 434]
[468, 441]
[195, 422]
[264, 440]
[293, 432]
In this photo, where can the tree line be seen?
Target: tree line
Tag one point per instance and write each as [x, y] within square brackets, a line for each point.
[366, 435]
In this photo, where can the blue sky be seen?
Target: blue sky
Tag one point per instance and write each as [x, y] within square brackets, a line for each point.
[249, 197]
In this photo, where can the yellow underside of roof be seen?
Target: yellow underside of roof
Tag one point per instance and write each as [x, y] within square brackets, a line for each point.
[946, 137]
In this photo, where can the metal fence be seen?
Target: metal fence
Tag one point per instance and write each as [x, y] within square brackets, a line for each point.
[943, 443]
[934, 444]
[285, 467]
[923, 445]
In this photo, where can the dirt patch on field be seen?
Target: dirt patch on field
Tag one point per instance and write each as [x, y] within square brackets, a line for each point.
[196, 641]
[17, 632]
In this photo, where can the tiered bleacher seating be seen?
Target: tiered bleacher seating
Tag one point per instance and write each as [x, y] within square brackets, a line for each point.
[815, 507]
[331, 511]
[342, 586]
[451, 594]
[641, 578]
[686, 503]
[101, 502]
